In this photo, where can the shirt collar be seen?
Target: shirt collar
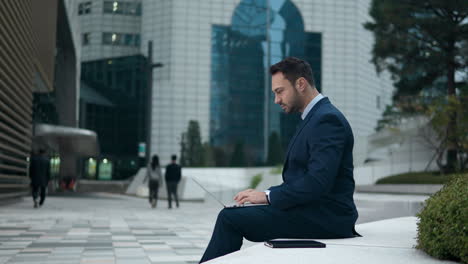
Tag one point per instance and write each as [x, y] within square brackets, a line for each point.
[311, 104]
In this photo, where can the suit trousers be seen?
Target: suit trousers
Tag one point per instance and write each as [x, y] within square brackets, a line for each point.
[257, 224]
[172, 191]
[35, 193]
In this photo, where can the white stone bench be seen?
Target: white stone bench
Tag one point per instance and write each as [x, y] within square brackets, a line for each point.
[389, 241]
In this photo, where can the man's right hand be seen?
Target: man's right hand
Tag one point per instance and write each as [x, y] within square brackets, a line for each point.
[251, 196]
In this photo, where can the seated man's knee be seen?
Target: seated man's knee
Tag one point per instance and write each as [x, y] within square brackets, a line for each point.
[225, 215]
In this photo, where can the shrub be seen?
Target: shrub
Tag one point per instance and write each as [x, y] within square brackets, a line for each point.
[443, 222]
[417, 178]
[277, 170]
[255, 181]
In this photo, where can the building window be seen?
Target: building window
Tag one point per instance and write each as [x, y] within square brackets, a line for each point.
[129, 39]
[107, 38]
[111, 38]
[123, 8]
[84, 8]
[378, 101]
[121, 39]
[137, 41]
[85, 39]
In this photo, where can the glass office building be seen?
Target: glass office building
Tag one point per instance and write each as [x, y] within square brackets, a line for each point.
[113, 103]
[239, 62]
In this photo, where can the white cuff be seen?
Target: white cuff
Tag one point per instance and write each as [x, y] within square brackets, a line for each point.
[267, 192]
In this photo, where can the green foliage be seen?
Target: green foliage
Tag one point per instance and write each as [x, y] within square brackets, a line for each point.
[443, 222]
[208, 155]
[275, 150]
[277, 170]
[238, 156]
[422, 43]
[220, 157]
[440, 112]
[417, 178]
[255, 181]
[191, 147]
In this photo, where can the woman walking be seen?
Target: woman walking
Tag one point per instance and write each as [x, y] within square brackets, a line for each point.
[155, 177]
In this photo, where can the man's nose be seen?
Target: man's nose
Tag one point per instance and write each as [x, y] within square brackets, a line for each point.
[277, 100]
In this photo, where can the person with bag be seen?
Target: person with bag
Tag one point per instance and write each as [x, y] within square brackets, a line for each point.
[154, 175]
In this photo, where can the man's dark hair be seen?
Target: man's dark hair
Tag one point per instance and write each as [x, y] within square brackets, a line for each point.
[174, 157]
[294, 68]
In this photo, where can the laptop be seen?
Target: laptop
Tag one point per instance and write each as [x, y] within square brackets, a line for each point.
[222, 204]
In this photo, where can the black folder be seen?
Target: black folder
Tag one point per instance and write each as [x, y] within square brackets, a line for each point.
[294, 243]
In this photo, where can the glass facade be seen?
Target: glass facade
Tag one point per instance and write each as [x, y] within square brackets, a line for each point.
[121, 39]
[114, 104]
[123, 8]
[84, 8]
[85, 39]
[240, 57]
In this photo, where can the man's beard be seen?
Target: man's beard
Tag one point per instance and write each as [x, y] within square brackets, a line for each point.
[295, 105]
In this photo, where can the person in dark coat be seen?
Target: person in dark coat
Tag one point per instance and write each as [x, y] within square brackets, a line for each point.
[315, 200]
[172, 177]
[39, 172]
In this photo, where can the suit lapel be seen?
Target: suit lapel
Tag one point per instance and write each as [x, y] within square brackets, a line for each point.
[302, 125]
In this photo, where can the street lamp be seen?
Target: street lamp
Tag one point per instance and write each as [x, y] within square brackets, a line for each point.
[149, 77]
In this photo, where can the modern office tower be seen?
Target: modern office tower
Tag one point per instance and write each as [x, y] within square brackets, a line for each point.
[113, 90]
[109, 28]
[216, 54]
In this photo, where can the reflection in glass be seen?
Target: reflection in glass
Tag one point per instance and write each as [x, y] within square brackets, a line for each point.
[238, 65]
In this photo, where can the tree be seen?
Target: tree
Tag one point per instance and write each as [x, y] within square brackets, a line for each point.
[208, 158]
[191, 146]
[422, 43]
[220, 157]
[238, 155]
[275, 150]
[438, 112]
[183, 150]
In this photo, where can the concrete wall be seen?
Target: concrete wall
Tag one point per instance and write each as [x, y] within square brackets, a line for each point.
[222, 182]
[370, 174]
[102, 186]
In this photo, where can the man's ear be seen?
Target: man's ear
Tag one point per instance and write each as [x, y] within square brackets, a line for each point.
[300, 84]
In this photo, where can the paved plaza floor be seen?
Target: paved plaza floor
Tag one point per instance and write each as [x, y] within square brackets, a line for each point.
[105, 228]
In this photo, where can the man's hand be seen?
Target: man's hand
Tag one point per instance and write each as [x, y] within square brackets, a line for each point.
[251, 196]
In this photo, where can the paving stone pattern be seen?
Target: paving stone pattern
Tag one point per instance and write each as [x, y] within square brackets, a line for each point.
[107, 228]
[102, 228]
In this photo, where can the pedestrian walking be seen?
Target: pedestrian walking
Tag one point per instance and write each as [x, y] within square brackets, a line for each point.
[173, 175]
[39, 172]
[154, 175]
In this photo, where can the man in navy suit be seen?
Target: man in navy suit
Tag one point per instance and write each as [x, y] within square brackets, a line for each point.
[315, 199]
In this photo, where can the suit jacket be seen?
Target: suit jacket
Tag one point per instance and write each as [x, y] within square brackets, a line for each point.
[318, 183]
[39, 170]
[173, 173]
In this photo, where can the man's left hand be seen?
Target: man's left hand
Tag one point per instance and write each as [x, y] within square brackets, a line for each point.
[251, 196]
